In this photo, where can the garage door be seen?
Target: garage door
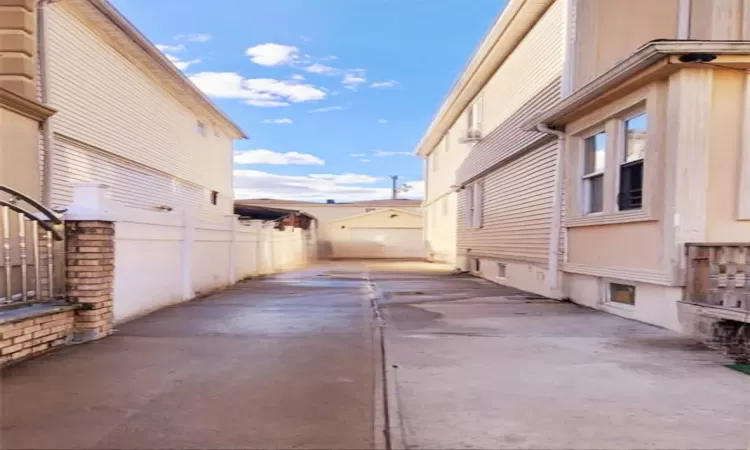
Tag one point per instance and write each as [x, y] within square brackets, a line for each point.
[383, 243]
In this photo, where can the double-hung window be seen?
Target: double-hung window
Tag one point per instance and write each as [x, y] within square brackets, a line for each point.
[594, 162]
[630, 194]
[474, 198]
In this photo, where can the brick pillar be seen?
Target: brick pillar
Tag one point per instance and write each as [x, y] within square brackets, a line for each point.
[90, 276]
[18, 47]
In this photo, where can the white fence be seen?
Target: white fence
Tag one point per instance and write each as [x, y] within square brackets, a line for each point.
[163, 258]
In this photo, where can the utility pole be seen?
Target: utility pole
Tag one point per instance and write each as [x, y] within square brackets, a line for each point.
[394, 190]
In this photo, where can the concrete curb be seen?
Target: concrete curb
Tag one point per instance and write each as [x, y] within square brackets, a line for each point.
[388, 425]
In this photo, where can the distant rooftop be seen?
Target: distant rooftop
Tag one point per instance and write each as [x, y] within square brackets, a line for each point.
[383, 202]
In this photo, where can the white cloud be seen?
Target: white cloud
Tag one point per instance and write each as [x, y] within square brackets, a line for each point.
[170, 48]
[278, 121]
[353, 79]
[197, 37]
[381, 153]
[329, 58]
[180, 64]
[382, 121]
[270, 54]
[267, 92]
[357, 155]
[385, 84]
[322, 69]
[297, 77]
[346, 178]
[262, 156]
[326, 109]
[315, 187]
[365, 160]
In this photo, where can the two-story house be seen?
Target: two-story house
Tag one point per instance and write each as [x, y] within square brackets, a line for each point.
[612, 163]
[126, 117]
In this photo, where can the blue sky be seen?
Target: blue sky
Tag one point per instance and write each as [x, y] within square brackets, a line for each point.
[354, 77]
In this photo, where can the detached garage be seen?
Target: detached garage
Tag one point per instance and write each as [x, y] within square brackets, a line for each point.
[383, 234]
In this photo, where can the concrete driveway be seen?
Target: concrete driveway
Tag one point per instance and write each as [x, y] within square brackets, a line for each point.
[285, 362]
[293, 361]
[475, 365]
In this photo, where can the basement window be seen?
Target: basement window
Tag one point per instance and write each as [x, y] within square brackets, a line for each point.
[621, 294]
[501, 270]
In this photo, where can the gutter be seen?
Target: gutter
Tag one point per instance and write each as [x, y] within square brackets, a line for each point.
[553, 255]
[44, 85]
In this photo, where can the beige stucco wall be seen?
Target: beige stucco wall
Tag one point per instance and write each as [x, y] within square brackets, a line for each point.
[720, 20]
[610, 30]
[726, 134]
[629, 245]
[19, 160]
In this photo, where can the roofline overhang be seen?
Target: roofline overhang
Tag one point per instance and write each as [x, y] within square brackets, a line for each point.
[657, 59]
[509, 29]
[111, 13]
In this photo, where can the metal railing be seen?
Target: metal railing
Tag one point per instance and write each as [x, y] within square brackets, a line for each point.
[718, 275]
[29, 231]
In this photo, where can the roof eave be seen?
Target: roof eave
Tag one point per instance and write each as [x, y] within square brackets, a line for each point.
[468, 84]
[648, 55]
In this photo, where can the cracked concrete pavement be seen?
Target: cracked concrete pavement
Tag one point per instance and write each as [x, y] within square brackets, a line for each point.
[293, 361]
[283, 362]
[475, 365]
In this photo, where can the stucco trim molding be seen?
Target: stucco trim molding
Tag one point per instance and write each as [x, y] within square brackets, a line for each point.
[24, 106]
[617, 76]
[620, 273]
[610, 219]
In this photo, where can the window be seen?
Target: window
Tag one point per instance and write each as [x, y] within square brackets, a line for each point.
[214, 197]
[474, 195]
[474, 119]
[622, 294]
[501, 270]
[201, 128]
[630, 195]
[595, 151]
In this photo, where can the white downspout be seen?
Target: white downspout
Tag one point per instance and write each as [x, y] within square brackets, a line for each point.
[553, 257]
[42, 45]
[683, 19]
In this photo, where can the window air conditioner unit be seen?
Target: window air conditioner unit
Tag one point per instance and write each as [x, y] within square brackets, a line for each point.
[472, 136]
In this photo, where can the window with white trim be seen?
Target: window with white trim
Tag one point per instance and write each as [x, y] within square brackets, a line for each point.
[594, 163]
[474, 117]
[630, 193]
[474, 197]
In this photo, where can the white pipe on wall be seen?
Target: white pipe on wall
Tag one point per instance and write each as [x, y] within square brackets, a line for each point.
[47, 136]
[553, 256]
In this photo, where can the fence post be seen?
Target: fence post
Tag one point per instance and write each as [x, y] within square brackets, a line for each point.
[188, 240]
[232, 249]
[90, 261]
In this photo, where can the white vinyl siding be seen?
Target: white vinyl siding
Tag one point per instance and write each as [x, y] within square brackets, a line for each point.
[107, 102]
[133, 186]
[517, 210]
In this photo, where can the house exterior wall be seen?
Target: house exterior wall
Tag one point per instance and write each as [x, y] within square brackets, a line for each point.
[725, 192]
[378, 235]
[115, 120]
[720, 20]
[18, 152]
[609, 31]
